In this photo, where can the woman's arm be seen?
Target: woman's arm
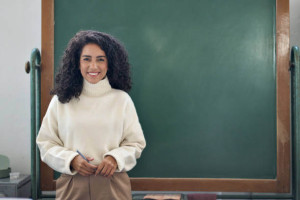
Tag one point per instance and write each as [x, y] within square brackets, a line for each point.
[52, 149]
[133, 141]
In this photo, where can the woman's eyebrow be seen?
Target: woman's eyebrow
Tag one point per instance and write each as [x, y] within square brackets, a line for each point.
[91, 56]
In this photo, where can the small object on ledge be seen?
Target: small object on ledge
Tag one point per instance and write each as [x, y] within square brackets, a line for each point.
[14, 175]
[4, 166]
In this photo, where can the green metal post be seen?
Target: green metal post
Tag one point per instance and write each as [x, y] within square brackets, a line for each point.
[35, 104]
[38, 117]
[295, 69]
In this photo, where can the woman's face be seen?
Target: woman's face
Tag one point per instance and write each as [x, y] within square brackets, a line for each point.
[93, 63]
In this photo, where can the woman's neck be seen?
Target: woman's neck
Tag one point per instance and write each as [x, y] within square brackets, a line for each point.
[96, 89]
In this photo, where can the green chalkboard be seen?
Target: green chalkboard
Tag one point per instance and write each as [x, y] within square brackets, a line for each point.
[204, 80]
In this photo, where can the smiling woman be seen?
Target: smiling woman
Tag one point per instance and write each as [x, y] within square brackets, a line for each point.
[69, 79]
[92, 113]
[93, 63]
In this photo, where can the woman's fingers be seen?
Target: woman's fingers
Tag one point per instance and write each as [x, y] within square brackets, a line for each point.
[84, 172]
[82, 166]
[111, 172]
[107, 167]
[104, 170]
[90, 167]
[99, 169]
[89, 158]
[107, 173]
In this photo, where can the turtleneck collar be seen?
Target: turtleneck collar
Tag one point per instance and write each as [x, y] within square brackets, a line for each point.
[96, 89]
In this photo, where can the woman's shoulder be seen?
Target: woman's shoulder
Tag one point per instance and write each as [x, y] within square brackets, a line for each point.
[55, 101]
[121, 94]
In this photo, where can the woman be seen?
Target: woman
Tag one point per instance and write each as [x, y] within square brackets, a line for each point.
[91, 113]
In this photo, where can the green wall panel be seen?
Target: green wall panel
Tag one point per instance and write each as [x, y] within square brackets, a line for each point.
[204, 80]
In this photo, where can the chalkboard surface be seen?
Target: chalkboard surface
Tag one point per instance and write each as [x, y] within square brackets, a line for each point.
[204, 80]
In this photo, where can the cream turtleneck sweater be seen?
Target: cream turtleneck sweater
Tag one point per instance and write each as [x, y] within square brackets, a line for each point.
[103, 121]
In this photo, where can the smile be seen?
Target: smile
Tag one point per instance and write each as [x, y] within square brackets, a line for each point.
[93, 73]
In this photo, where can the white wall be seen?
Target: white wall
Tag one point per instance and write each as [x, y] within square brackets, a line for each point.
[295, 22]
[20, 22]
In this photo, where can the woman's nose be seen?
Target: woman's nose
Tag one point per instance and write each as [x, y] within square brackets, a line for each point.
[93, 65]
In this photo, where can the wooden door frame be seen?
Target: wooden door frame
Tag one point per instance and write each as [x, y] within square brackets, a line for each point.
[279, 185]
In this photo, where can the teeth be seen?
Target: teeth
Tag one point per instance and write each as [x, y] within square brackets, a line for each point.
[93, 74]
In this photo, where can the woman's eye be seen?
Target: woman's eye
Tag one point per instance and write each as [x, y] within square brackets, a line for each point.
[86, 59]
[101, 60]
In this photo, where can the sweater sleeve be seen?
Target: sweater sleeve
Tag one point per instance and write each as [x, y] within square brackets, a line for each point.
[133, 141]
[52, 149]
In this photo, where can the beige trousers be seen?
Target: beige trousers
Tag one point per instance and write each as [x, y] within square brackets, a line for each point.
[79, 187]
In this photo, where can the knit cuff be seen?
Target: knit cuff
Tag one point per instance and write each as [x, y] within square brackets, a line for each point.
[68, 164]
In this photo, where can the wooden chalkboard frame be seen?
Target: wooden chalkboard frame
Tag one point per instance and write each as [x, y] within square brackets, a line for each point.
[279, 185]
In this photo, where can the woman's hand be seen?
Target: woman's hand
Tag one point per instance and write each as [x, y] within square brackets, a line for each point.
[107, 167]
[82, 166]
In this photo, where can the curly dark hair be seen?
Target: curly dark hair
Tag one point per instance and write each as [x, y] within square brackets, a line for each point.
[69, 81]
